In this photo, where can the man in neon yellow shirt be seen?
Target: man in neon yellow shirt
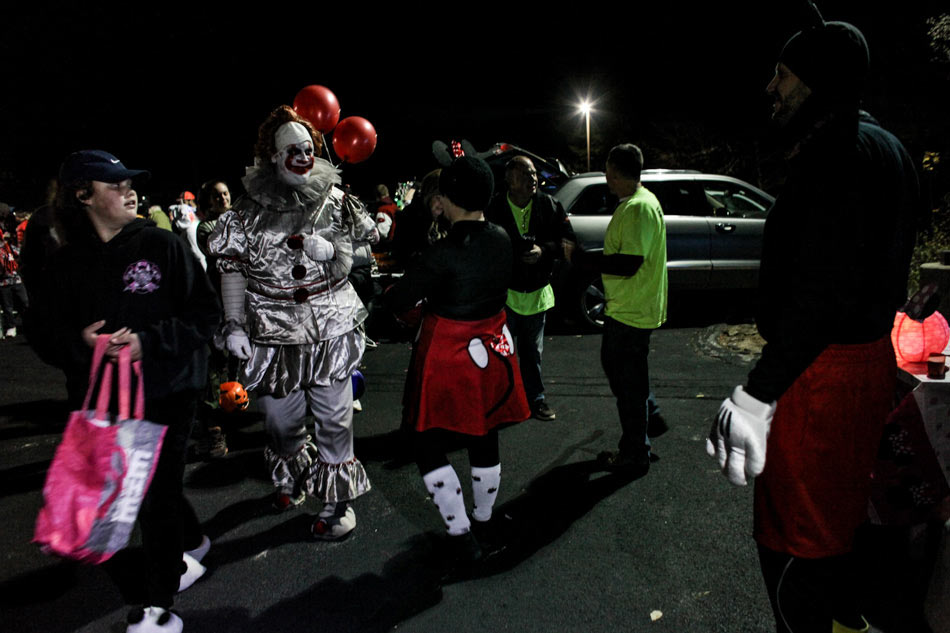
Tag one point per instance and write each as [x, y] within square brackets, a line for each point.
[536, 223]
[633, 268]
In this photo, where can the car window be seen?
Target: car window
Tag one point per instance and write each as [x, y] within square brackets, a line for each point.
[596, 199]
[679, 197]
[731, 200]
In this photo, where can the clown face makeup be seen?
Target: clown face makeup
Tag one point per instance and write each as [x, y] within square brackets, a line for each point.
[294, 157]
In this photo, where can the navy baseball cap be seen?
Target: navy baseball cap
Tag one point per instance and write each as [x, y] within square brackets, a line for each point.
[94, 164]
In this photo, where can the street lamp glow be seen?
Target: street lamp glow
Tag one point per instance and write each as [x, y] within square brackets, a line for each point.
[584, 108]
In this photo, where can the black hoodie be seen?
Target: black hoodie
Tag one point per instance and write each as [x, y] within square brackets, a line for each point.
[837, 244]
[143, 279]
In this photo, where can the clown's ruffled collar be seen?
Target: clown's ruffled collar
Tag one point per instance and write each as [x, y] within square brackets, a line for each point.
[265, 188]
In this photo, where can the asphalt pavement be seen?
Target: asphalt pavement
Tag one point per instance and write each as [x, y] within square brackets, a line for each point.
[585, 550]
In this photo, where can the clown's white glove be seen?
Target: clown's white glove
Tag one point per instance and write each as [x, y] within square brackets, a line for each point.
[739, 434]
[233, 289]
[239, 345]
[318, 248]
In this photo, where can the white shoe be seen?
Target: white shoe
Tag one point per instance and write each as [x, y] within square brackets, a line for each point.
[193, 571]
[357, 406]
[10, 332]
[199, 552]
[154, 620]
[334, 526]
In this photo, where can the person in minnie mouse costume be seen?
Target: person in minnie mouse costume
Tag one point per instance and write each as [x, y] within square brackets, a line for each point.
[284, 251]
[464, 381]
[807, 424]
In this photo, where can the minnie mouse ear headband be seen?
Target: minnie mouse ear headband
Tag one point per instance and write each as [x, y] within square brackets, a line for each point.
[94, 164]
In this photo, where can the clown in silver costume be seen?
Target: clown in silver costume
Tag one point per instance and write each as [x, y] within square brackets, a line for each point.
[284, 251]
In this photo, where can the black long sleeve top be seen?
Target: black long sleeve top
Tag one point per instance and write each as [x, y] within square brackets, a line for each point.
[836, 249]
[464, 276]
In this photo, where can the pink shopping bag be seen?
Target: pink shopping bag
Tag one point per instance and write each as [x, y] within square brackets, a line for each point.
[101, 470]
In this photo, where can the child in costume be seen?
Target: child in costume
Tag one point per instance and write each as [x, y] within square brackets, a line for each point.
[464, 381]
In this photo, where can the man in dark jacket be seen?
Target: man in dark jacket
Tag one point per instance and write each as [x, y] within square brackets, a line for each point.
[835, 259]
[536, 224]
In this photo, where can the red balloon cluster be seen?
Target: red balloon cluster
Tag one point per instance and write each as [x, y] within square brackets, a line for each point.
[354, 138]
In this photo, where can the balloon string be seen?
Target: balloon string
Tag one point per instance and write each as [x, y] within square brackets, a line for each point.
[326, 146]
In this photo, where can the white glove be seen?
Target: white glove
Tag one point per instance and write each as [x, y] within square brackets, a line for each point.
[318, 248]
[239, 345]
[739, 434]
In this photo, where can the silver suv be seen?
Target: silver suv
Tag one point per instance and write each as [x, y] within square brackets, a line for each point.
[713, 231]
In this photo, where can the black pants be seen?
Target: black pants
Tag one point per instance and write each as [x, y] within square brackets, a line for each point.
[623, 355]
[13, 300]
[431, 447]
[168, 522]
[807, 594]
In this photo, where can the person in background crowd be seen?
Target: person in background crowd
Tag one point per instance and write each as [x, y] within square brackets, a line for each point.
[421, 223]
[633, 268]
[13, 295]
[536, 224]
[184, 220]
[23, 219]
[159, 217]
[186, 197]
[384, 210]
[214, 199]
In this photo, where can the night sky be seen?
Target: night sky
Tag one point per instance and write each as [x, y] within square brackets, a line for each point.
[182, 91]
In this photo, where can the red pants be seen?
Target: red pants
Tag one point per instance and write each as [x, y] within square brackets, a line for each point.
[823, 443]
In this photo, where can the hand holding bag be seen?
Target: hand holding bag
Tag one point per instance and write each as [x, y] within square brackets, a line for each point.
[101, 470]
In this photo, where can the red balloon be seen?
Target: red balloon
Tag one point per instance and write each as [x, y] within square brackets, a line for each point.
[319, 106]
[354, 139]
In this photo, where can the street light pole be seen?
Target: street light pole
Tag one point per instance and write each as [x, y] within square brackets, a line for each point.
[585, 108]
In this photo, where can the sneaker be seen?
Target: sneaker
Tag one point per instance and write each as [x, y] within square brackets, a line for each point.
[10, 333]
[336, 526]
[283, 501]
[357, 406]
[541, 411]
[218, 445]
[199, 552]
[193, 571]
[212, 446]
[656, 426]
[153, 620]
[623, 463]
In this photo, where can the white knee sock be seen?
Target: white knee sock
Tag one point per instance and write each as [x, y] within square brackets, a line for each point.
[485, 482]
[446, 492]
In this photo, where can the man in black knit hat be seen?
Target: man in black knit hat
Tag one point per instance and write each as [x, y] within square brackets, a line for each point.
[834, 269]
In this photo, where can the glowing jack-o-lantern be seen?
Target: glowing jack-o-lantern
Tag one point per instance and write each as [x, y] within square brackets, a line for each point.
[914, 341]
